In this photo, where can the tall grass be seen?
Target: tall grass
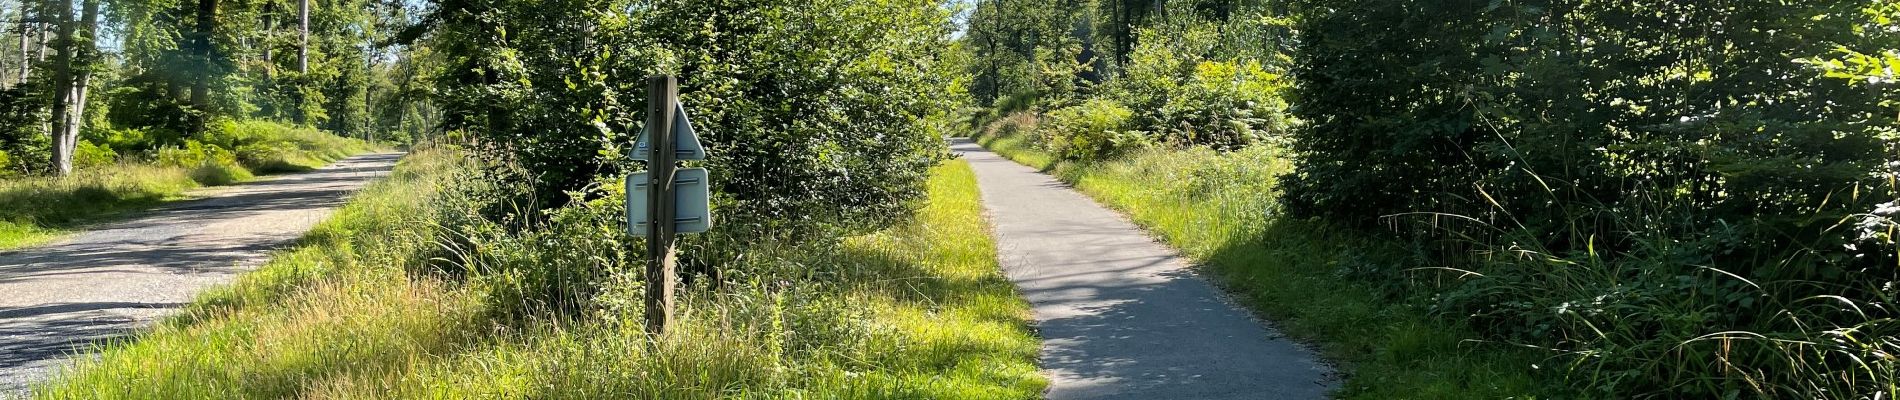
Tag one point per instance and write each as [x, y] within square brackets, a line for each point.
[369, 308]
[1648, 316]
[1219, 208]
[1656, 310]
[36, 209]
[305, 311]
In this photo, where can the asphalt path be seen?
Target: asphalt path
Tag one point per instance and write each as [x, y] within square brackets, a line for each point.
[1120, 315]
[60, 299]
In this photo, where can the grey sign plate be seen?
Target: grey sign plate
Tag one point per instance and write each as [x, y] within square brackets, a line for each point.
[693, 204]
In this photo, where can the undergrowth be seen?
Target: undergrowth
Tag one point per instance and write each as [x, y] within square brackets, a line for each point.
[410, 293]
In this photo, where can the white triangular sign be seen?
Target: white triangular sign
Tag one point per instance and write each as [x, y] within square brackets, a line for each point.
[686, 142]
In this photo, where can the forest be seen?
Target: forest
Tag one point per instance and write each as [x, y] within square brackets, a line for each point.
[90, 81]
[1447, 199]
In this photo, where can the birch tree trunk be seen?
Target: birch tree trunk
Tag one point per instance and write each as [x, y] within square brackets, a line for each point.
[84, 47]
[270, 26]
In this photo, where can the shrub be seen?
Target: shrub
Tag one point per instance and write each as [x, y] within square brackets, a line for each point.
[1225, 105]
[1018, 102]
[1185, 97]
[22, 109]
[1095, 129]
[89, 155]
[209, 165]
[131, 139]
[266, 156]
[810, 128]
[1025, 123]
[1669, 221]
[269, 147]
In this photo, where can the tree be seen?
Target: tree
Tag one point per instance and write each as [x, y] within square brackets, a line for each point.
[303, 36]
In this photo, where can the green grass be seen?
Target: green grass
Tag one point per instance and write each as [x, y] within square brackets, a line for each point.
[1219, 209]
[35, 210]
[918, 310]
[38, 209]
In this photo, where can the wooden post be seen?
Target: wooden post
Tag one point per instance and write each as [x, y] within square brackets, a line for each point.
[662, 93]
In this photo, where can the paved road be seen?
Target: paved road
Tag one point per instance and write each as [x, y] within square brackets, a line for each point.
[1121, 316]
[107, 282]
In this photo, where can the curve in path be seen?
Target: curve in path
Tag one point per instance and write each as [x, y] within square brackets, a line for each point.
[107, 282]
[1121, 316]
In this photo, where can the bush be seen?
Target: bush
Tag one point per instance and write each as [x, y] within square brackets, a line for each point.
[21, 111]
[1669, 221]
[809, 129]
[1025, 101]
[130, 139]
[210, 165]
[89, 155]
[270, 147]
[1183, 96]
[1225, 105]
[1096, 129]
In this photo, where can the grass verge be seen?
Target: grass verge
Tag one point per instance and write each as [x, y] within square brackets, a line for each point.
[919, 310]
[35, 210]
[1219, 209]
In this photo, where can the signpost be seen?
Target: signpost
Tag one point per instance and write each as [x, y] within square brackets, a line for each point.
[665, 200]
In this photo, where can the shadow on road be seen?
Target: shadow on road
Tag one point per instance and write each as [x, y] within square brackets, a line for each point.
[105, 283]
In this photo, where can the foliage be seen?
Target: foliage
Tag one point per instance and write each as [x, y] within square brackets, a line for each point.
[362, 309]
[20, 137]
[1025, 49]
[242, 57]
[1663, 205]
[1687, 200]
[1097, 128]
[1187, 80]
[810, 125]
[93, 156]
[1224, 105]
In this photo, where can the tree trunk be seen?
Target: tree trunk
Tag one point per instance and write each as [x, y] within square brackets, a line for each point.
[201, 87]
[62, 87]
[87, 48]
[303, 36]
[39, 28]
[26, 64]
[82, 46]
[270, 27]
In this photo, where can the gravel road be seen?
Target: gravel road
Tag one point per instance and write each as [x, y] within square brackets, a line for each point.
[1121, 316]
[107, 282]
